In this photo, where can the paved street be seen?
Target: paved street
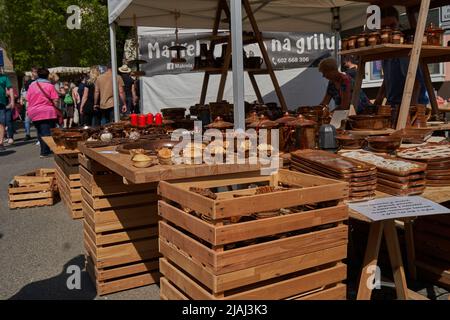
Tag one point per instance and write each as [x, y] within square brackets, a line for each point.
[37, 246]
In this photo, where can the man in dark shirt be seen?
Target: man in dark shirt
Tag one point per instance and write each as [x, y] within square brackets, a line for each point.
[395, 71]
[128, 81]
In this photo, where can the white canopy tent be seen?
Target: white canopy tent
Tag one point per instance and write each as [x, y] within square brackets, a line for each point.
[271, 15]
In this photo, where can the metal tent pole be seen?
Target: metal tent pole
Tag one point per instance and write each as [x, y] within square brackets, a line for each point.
[112, 36]
[238, 63]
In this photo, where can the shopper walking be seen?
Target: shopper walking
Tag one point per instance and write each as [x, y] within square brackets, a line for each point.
[24, 103]
[7, 103]
[104, 97]
[91, 116]
[42, 108]
[128, 87]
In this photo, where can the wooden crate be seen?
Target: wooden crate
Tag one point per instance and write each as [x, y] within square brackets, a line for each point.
[34, 189]
[282, 257]
[120, 230]
[432, 243]
[69, 184]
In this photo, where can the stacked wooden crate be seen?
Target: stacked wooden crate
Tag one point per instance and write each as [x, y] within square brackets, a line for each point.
[271, 237]
[69, 185]
[34, 189]
[432, 242]
[120, 229]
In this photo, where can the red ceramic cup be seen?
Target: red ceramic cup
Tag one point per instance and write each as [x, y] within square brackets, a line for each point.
[134, 119]
[158, 119]
[142, 121]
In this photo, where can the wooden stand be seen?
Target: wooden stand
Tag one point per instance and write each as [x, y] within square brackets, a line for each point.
[223, 71]
[69, 185]
[34, 189]
[419, 55]
[120, 230]
[294, 256]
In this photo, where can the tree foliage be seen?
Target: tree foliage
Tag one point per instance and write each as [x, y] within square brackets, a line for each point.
[35, 32]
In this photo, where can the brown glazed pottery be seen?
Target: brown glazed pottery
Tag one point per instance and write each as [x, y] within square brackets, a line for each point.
[220, 124]
[434, 35]
[352, 42]
[369, 122]
[173, 113]
[387, 144]
[374, 38]
[386, 35]
[350, 141]
[71, 139]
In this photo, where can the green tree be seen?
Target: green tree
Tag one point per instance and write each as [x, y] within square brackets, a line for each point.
[35, 32]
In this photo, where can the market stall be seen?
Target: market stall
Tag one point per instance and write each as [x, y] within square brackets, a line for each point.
[224, 230]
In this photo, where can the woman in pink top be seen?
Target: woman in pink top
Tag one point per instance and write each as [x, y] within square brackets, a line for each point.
[42, 101]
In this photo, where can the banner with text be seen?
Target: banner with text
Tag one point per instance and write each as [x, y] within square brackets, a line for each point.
[285, 50]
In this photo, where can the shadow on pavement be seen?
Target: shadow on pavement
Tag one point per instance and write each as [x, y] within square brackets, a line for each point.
[56, 288]
[7, 153]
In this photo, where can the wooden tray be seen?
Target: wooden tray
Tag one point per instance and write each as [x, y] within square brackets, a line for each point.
[332, 161]
[406, 179]
[421, 166]
[329, 170]
[402, 186]
[428, 153]
[348, 178]
[398, 192]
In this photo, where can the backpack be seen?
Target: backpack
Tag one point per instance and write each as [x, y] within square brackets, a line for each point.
[68, 100]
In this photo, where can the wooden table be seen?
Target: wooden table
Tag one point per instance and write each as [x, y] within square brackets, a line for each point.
[123, 166]
[388, 228]
[57, 149]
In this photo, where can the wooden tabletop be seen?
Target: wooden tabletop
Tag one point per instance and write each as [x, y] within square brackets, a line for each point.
[123, 166]
[56, 149]
[435, 194]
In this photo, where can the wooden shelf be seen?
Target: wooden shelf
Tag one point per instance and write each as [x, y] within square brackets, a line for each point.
[213, 70]
[429, 54]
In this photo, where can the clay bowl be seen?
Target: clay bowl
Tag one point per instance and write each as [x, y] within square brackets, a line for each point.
[369, 122]
[384, 144]
[58, 136]
[349, 141]
[71, 139]
[413, 135]
[173, 113]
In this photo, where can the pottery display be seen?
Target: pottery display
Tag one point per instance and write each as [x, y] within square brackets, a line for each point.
[350, 141]
[369, 122]
[386, 35]
[385, 144]
[434, 35]
[143, 161]
[374, 38]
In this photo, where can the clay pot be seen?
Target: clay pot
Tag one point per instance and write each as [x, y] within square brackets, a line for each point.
[362, 40]
[374, 38]
[352, 42]
[435, 35]
[397, 37]
[386, 35]
[385, 144]
[369, 122]
[349, 141]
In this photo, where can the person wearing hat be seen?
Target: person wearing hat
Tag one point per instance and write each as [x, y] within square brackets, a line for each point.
[125, 72]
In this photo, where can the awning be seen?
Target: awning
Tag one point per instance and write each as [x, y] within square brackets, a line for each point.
[275, 15]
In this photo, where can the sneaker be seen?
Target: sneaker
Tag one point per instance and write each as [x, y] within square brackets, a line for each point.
[27, 138]
[46, 156]
[38, 143]
[10, 141]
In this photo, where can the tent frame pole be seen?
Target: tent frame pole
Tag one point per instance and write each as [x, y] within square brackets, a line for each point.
[238, 64]
[112, 35]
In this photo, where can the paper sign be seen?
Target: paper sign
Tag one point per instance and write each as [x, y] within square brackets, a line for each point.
[109, 152]
[398, 207]
[338, 116]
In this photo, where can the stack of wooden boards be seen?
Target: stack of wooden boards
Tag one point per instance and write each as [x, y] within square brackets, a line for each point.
[268, 237]
[33, 189]
[69, 185]
[437, 159]
[120, 229]
[395, 176]
[432, 243]
[361, 177]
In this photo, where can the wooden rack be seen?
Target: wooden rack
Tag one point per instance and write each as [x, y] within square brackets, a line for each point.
[418, 53]
[217, 39]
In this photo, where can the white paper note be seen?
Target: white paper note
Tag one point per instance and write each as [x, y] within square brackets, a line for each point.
[338, 116]
[398, 207]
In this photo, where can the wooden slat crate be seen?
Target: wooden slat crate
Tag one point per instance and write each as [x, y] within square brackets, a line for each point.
[432, 243]
[68, 180]
[120, 230]
[217, 249]
[33, 189]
